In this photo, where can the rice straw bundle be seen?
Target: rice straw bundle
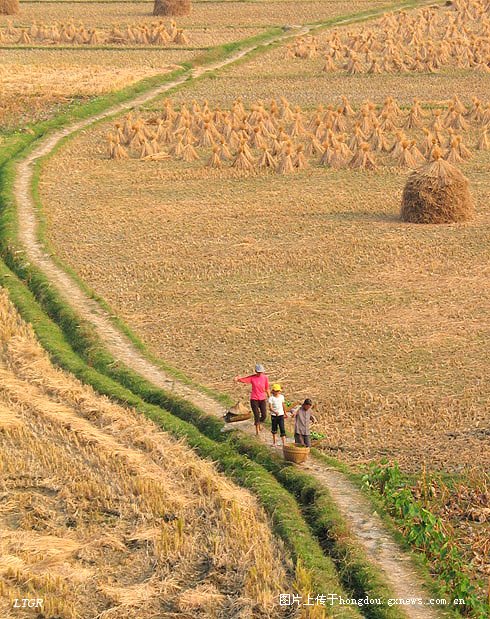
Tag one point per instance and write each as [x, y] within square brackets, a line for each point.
[354, 65]
[146, 150]
[405, 159]
[386, 121]
[161, 37]
[363, 159]
[286, 165]
[366, 122]
[119, 152]
[313, 146]
[379, 141]
[111, 143]
[463, 151]
[342, 147]
[476, 112]
[436, 124]
[416, 154]
[338, 159]
[24, 38]
[300, 161]
[357, 138]
[375, 67]
[180, 38]
[339, 123]
[177, 149]
[413, 120]
[189, 153]
[172, 29]
[397, 148]
[256, 139]
[206, 139]
[346, 107]
[483, 142]
[267, 160]
[329, 64]
[436, 193]
[214, 161]
[453, 156]
[241, 161]
[427, 142]
[224, 151]
[328, 152]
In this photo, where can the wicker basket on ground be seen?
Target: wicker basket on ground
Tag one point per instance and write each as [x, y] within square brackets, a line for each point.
[295, 453]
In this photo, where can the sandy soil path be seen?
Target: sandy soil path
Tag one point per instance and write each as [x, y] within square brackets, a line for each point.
[366, 525]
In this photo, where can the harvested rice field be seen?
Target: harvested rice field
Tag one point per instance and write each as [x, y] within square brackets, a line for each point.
[108, 516]
[36, 84]
[384, 324]
[304, 81]
[259, 209]
[326, 286]
[208, 14]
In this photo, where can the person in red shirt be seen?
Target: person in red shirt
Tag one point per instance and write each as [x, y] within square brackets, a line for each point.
[259, 395]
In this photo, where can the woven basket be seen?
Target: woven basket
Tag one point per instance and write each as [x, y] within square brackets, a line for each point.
[295, 453]
[231, 417]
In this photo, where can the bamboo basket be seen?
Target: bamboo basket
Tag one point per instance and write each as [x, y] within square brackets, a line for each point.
[232, 417]
[295, 453]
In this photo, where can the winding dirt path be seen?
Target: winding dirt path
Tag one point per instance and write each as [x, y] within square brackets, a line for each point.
[366, 525]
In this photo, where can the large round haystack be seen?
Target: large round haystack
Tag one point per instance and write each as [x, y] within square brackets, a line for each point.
[172, 7]
[9, 7]
[437, 193]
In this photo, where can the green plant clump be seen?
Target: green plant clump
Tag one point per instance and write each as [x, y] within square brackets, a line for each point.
[427, 534]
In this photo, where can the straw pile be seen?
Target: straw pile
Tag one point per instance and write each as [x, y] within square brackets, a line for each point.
[437, 193]
[9, 7]
[157, 33]
[172, 7]
[422, 41]
[278, 138]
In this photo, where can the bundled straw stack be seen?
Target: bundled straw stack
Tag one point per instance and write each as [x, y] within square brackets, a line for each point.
[437, 193]
[422, 41]
[172, 8]
[279, 138]
[156, 33]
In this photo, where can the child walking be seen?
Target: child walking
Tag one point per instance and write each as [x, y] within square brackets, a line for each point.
[277, 408]
[302, 418]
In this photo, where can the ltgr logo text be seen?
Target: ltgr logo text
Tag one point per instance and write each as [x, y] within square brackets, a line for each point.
[27, 603]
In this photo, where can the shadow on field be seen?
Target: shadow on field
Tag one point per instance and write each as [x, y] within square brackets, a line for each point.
[356, 216]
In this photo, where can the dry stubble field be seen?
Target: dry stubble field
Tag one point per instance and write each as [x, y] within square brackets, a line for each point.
[36, 83]
[102, 514]
[384, 324]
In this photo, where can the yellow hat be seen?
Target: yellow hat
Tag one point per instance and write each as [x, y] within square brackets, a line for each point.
[276, 387]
